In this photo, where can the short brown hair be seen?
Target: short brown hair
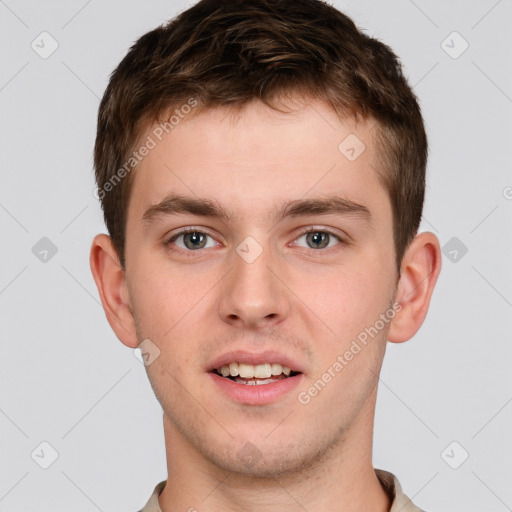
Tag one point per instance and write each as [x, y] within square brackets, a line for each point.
[229, 52]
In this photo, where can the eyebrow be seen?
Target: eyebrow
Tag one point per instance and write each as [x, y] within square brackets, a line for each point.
[178, 204]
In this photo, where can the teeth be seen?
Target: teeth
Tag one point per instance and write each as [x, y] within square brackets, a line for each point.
[246, 370]
[256, 382]
[265, 381]
[247, 382]
[276, 369]
[262, 371]
[233, 369]
[249, 371]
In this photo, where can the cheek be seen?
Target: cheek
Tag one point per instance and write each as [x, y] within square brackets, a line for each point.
[175, 308]
[163, 301]
[346, 301]
[349, 355]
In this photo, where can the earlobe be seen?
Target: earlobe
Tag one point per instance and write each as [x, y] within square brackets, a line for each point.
[420, 269]
[110, 280]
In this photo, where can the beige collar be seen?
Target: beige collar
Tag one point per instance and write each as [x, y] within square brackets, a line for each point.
[399, 501]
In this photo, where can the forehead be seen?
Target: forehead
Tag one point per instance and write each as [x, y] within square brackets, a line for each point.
[251, 159]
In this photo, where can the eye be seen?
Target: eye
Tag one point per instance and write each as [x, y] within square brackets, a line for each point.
[320, 239]
[191, 240]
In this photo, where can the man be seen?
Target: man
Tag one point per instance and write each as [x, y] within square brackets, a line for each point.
[261, 167]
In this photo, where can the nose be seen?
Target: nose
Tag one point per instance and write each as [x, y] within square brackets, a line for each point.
[253, 294]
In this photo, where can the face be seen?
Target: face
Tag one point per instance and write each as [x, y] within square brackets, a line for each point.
[291, 266]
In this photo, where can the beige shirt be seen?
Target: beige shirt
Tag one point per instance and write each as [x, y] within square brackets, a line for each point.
[399, 501]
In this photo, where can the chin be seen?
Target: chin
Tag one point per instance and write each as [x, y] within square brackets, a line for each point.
[271, 460]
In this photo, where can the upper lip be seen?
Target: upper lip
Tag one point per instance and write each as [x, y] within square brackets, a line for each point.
[254, 358]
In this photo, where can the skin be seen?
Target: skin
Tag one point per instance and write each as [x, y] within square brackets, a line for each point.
[307, 302]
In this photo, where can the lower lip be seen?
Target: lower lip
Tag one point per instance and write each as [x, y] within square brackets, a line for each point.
[258, 394]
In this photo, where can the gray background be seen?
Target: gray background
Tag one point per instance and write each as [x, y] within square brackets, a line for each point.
[67, 381]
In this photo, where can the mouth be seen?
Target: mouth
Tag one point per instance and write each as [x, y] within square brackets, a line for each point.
[254, 374]
[250, 378]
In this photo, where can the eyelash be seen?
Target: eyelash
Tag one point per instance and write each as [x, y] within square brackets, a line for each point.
[190, 253]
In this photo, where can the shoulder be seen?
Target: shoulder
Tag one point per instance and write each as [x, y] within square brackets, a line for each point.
[152, 504]
[399, 500]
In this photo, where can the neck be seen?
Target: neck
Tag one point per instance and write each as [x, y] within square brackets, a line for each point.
[342, 479]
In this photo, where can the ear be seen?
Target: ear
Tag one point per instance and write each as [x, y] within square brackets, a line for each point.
[111, 283]
[419, 271]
